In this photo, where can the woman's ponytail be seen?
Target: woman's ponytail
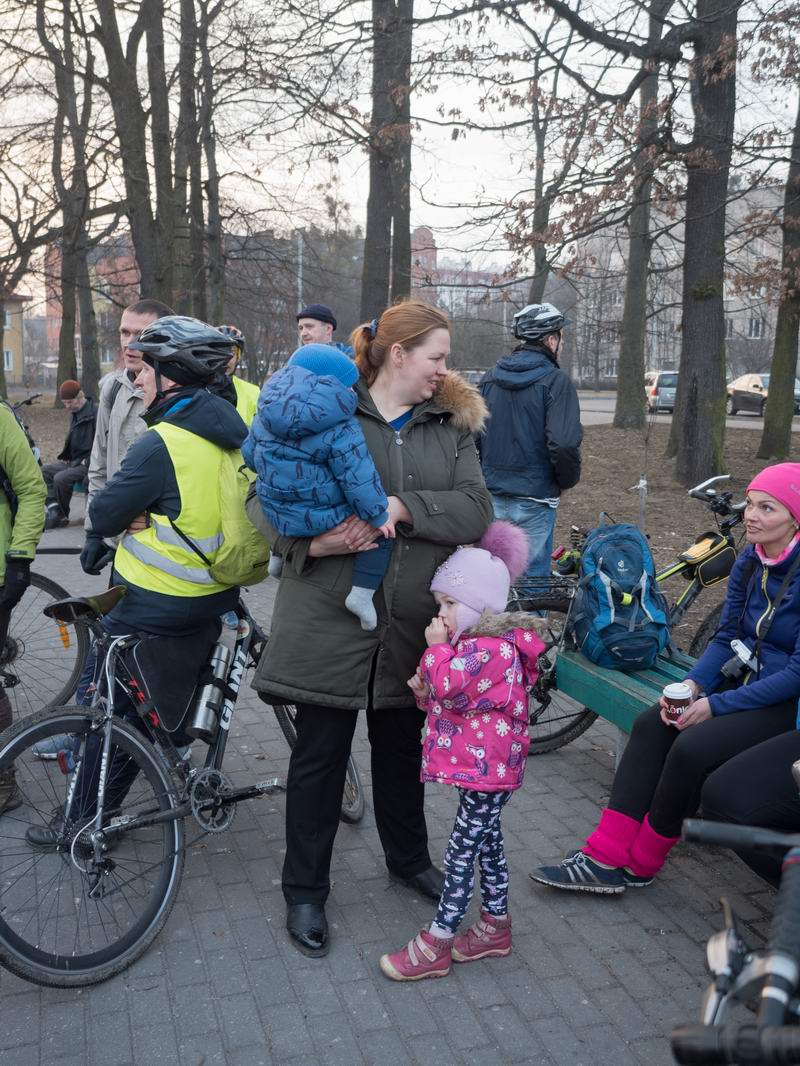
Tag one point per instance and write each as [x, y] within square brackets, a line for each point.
[407, 323]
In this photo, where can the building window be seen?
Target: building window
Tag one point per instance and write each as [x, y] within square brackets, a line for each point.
[755, 328]
[6, 320]
[728, 327]
[8, 359]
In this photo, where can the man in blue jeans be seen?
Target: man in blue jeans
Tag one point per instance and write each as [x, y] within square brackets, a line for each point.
[530, 448]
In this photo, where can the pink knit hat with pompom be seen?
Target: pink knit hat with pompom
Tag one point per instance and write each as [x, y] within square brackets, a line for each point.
[478, 578]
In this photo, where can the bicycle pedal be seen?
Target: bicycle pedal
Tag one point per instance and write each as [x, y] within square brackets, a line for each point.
[270, 785]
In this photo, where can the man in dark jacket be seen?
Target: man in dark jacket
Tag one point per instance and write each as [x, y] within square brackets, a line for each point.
[72, 464]
[530, 448]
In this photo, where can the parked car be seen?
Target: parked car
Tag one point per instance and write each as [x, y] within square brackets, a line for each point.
[749, 393]
[659, 389]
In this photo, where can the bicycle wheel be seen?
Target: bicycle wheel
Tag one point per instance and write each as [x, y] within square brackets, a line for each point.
[705, 631]
[556, 720]
[65, 919]
[353, 804]
[45, 657]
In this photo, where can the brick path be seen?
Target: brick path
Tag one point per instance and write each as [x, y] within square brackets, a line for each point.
[594, 981]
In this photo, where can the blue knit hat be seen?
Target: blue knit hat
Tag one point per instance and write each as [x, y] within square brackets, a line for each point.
[326, 361]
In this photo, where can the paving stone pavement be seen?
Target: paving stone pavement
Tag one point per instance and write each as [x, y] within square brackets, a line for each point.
[593, 981]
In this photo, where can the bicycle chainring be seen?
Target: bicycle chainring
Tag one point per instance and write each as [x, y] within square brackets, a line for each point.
[206, 795]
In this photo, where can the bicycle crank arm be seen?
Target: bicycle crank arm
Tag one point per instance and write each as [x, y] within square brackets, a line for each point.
[124, 824]
[268, 787]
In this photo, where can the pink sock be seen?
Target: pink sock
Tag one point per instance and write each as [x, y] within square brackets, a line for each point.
[611, 842]
[649, 851]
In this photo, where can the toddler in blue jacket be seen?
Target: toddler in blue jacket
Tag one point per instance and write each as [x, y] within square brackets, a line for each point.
[313, 466]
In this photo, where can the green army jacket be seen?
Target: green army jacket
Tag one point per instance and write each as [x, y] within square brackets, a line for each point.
[317, 651]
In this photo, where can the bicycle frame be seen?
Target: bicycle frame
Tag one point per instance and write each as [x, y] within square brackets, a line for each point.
[249, 639]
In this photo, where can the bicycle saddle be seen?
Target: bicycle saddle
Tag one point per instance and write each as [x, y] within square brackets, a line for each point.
[83, 608]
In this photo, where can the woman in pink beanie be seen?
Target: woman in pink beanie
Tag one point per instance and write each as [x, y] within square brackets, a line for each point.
[739, 702]
[473, 682]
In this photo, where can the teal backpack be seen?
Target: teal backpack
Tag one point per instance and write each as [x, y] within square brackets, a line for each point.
[619, 618]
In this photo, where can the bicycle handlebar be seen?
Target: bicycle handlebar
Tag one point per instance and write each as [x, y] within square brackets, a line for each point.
[701, 1045]
[696, 831]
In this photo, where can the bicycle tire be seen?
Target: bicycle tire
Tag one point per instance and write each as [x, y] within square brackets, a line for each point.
[46, 657]
[353, 802]
[705, 631]
[573, 717]
[36, 939]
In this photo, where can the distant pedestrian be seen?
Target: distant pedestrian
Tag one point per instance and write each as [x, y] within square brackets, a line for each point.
[72, 465]
[316, 324]
[473, 683]
[530, 448]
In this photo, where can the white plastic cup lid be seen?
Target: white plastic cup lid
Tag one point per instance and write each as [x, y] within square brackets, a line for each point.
[677, 691]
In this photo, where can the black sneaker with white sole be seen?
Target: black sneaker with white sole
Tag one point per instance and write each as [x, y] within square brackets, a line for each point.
[580, 873]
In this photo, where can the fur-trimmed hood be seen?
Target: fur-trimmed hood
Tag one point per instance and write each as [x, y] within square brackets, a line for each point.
[462, 400]
[495, 625]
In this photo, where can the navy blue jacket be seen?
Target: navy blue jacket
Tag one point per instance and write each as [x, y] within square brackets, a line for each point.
[308, 449]
[146, 482]
[745, 603]
[531, 444]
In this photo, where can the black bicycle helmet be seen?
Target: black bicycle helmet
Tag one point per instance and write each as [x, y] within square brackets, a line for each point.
[184, 349]
[236, 335]
[536, 321]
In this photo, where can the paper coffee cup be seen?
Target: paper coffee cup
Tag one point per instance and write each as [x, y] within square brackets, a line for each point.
[678, 697]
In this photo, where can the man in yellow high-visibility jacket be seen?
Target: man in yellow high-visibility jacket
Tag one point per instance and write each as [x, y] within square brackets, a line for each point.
[246, 393]
[164, 496]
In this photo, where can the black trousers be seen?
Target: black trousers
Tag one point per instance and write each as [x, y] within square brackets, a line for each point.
[757, 788]
[59, 477]
[315, 786]
[663, 771]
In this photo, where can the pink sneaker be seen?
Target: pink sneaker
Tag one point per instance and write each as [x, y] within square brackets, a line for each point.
[424, 956]
[489, 937]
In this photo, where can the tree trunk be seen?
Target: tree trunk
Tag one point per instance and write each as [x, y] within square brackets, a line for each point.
[776, 440]
[90, 356]
[387, 266]
[131, 129]
[185, 133]
[698, 422]
[208, 138]
[164, 222]
[3, 389]
[67, 362]
[629, 412]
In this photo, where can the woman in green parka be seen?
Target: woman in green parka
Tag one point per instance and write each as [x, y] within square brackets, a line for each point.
[21, 525]
[418, 420]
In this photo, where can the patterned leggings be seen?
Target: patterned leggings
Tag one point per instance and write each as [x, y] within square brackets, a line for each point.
[476, 834]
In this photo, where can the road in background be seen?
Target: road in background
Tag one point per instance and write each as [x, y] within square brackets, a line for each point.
[597, 409]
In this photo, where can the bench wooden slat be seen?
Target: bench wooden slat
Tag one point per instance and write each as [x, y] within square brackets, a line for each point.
[616, 696]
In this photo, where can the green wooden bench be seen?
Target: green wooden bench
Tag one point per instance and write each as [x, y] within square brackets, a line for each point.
[613, 695]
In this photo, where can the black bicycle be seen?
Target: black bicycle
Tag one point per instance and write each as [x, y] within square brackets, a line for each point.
[767, 982]
[42, 659]
[85, 904]
[555, 719]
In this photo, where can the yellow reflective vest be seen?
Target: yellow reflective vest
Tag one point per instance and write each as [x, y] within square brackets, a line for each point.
[158, 558]
[246, 399]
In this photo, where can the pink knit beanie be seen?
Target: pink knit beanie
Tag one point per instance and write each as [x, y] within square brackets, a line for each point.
[478, 578]
[783, 482]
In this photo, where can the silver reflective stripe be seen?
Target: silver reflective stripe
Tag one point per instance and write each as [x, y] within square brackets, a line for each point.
[146, 555]
[168, 535]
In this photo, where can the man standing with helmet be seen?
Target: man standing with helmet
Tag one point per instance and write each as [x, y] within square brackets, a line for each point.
[246, 392]
[530, 448]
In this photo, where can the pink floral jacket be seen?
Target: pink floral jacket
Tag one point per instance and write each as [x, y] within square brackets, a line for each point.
[476, 734]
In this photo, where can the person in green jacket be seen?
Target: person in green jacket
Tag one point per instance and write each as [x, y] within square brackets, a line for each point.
[22, 513]
[418, 421]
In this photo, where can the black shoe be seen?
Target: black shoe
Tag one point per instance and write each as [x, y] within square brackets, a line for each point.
[308, 928]
[429, 883]
[51, 837]
[55, 518]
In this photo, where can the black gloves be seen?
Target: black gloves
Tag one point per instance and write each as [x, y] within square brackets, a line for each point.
[18, 577]
[96, 554]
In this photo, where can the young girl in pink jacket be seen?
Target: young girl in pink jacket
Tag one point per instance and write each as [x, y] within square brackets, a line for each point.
[473, 683]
